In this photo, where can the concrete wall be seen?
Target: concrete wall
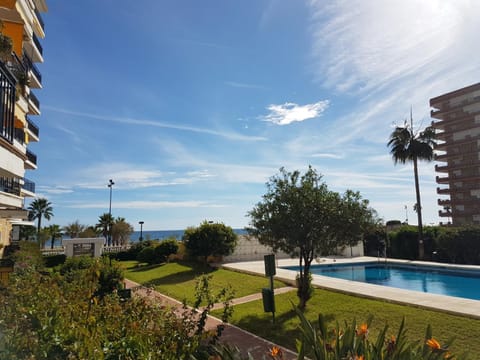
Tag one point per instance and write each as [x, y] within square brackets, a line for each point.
[249, 249]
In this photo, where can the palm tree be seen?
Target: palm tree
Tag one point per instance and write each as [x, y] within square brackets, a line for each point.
[40, 208]
[105, 223]
[54, 232]
[74, 229]
[406, 145]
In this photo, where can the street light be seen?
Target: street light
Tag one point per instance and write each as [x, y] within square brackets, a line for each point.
[141, 230]
[109, 240]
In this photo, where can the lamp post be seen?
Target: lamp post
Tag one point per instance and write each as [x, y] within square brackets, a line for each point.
[109, 240]
[141, 230]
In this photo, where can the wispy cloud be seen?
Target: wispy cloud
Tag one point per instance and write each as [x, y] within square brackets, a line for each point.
[224, 134]
[287, 113]
[327, 156]
[146, 205]
[244, 85]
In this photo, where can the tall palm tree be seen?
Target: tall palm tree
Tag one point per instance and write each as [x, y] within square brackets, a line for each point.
[105, 223]
[406, 145]
[54, 232]
[38, 209]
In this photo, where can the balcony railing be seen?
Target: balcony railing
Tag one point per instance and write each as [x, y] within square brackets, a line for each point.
[33, 127]
[444, 202]
[29, 65]
[10, 185]
[443, 191]
[32, 157]
[28, 185]
[19, 135]
[37, 43]
[40, 20]
[7, 110]
[34, 100]
[15, 184]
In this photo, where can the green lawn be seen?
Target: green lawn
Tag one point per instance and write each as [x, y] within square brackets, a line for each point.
[178, 280]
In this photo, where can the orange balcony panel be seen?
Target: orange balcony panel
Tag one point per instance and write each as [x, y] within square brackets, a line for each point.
[10, 4]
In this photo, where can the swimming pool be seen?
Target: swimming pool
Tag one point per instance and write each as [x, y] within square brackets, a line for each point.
[433, 280]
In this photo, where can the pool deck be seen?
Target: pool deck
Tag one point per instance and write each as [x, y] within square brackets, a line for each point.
[449, 304]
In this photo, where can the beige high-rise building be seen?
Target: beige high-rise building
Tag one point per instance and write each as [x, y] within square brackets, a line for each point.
[22, 23]
[458, 151]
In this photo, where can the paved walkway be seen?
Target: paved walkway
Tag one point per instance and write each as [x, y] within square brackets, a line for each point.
[245, 341]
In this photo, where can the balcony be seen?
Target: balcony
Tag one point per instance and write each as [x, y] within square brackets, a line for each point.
[28, 188]
[35, 76]
[446, 191]
[31, 162]
[443, 168]
[40, 20]
[17, 186]
[33, 104]
[19, 135]
[33, 130]
[442, 180]
[444, 213]
[444, 202]
[10, 185]
[33, 48]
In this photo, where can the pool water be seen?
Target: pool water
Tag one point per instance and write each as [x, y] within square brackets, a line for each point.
[465, 284]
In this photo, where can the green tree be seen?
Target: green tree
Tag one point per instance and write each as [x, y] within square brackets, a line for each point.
[74, 229]
[406, 145]
[38, 209]
[104, 224]
[302, 217]
[54, 232]
[121, 231]
[210, 239]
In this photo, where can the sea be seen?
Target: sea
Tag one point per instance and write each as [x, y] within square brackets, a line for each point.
[149, 235]
[165, 234]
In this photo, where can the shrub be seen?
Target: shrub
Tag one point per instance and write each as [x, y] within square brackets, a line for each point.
[147, 255]
[46, 317]
[165, 249]
[54, 260]
[403, 243]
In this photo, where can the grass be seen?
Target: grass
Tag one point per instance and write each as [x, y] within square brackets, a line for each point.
[178, 280]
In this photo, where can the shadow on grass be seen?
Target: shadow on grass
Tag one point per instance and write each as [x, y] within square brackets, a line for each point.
[140, 268]
[275, 332]
[189, 272]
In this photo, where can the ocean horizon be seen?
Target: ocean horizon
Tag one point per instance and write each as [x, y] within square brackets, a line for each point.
[148, 235]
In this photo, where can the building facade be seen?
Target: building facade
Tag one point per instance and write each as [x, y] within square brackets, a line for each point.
[20, 49]
[457, 126]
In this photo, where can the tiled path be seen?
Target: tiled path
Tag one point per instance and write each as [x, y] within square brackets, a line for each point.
[245, 341]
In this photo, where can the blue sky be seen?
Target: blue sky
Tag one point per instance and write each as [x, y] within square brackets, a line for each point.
[190, 106]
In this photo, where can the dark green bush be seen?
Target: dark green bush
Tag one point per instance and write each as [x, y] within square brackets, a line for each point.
[165, 249]
[54, 260]
[403, 243]
[147, 255]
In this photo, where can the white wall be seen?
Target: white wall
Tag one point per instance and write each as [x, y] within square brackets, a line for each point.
[249, 249]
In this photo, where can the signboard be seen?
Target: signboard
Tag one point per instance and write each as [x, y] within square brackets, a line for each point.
[87, 249]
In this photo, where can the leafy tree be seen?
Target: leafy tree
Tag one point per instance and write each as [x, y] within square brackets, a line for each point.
[121, 231]
[406, 145]
[54, 232]
[74, 229]
[210, 239]
[302, 217]
[38, 209]
[90, 232]
[104, 224]
[165, 249]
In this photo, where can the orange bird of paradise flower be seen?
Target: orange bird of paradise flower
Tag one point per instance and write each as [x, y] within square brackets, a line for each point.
[433, 344]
